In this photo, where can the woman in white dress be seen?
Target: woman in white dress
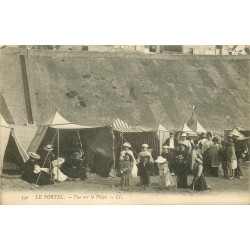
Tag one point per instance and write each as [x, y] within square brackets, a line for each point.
[127, 150]
[57, 174]
[231, 158]
[166, 179]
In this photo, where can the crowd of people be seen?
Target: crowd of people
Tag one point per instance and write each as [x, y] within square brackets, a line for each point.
[201, 156]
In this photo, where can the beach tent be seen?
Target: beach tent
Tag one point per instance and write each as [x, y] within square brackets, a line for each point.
[11, 150]
[199, 128]
[136, 135]
[67, 137]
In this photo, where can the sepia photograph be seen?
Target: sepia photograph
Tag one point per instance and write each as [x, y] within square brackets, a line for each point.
[124, 124]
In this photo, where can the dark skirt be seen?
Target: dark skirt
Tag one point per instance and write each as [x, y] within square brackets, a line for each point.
[182, 175]
[200, 184]
[41, 178]
[74, 172]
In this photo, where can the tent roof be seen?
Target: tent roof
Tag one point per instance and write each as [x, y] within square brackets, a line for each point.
[199, 128]
[20, 148]
[3, 123]
[186, 128]
[123, 127]
[56, 119]
[161, 128]
[72, 126]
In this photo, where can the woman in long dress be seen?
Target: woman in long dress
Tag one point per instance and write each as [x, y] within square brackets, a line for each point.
[231, 158]
[206, 153]
[126, 149]
[199, 181]
[125, 167]
[182, 165]
[166, 179]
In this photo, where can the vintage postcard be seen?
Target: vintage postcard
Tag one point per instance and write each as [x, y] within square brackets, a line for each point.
[124, 124]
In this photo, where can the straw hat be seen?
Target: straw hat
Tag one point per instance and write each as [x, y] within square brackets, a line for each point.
[127, 144]
[48, 147]
[58, 162]
[34, 155]
[165, 146]
[184, 134]
[160, 159]
[144, 145]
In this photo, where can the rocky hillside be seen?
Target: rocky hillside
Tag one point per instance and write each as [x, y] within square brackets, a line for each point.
[93, 88]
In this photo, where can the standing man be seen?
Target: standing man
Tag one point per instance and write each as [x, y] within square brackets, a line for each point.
[172, 144]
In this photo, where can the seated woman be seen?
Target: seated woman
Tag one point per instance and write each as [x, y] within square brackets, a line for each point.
[199, 181]
[125, 167]
[75, 167]
[33, 173]
[57, 174]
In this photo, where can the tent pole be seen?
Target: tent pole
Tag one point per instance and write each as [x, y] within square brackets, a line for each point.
[58, 152]
[121, 140]
[113, 146]
[160, 142]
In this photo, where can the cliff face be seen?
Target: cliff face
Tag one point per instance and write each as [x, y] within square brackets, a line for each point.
[93, 88]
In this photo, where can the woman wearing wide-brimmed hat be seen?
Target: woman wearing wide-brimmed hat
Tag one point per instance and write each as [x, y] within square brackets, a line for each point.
[182, 157]
[166, 180]
[127, 150]
[33, 173]
[199, 181]
[125, 168]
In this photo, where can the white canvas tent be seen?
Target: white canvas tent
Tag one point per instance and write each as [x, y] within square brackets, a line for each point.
[7, 134]
[56, 122]
[187, 130]
[199, 128]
